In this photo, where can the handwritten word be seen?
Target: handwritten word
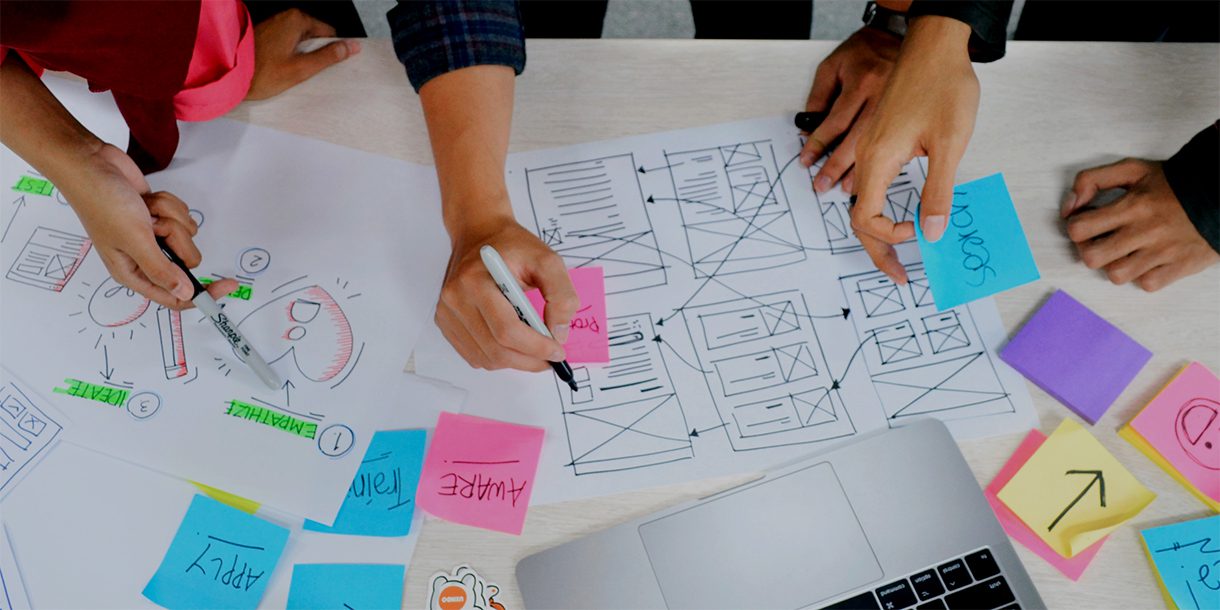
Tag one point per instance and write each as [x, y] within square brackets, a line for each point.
[89, 391]
[1203, 574]
[267, 417]
[482, 487]
[239, 579]
[243, 292]
[588, 322]
[370, 486]
[976, 257]
[36, 186]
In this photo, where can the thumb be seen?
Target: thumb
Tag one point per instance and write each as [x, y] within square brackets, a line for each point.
[1090, 181]
[936, 201]
[160, 271]
[552, 279]
[305, 65]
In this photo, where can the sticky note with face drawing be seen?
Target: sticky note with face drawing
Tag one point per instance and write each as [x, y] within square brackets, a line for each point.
[1179, 429]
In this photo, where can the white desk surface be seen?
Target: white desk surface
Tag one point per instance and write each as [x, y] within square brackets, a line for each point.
[1047, 110]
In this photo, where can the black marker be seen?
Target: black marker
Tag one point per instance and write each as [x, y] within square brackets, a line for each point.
[809, 121]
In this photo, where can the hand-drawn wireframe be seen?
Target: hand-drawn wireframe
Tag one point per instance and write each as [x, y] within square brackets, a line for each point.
[625, 414]
[734, 208]
[49, 259]
[1198, 431]
[26, 430]
[901, 205]
[766, 371]
[173, 342]
[592, 213]
[922, 362]
[311, 328]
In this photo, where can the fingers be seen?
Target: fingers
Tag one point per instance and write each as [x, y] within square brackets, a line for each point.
[1100, 252]
[1163, 276]
[885, 258]
[1134, 265]
[843, 158]
[824, 83]
[124, 270]
[167, 205]
[866, 215]
[156, 267]
[317, 28]
[178, 238]
[474, 302]
[1089, 224]
[840, 119]
[513, 335]
[221, 288]
[936, 202]
[1090, 181]
[552, 279]
[304, 65]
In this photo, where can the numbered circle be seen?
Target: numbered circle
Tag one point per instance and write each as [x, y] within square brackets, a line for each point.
[143, 405]
[196, 215]
[336, 440]
[254, 260]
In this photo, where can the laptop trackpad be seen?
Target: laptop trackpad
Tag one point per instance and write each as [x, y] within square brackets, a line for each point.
[788, 542]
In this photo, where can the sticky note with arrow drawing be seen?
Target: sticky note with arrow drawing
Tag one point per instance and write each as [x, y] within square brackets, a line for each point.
[1073, 492]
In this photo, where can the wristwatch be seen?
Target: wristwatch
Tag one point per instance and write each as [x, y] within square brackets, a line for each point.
[884, 19]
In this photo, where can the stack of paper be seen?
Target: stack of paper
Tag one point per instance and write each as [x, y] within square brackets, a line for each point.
[1179, 430]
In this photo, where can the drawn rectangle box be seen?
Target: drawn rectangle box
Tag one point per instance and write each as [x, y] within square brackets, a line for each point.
[49, 259]
[896, 343]
[785, 413]
[945, 332]
[593, 213]
[25, 431]
[765, 369]
[723, 329]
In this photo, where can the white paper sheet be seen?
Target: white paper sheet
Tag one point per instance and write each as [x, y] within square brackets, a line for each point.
[104, 525]
[342, 254]
[29, 429]
[12, 587]
[727, 277]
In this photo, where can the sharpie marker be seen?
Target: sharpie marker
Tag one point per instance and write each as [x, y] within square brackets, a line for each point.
[516, 297]
[212, 310]
[809, 121]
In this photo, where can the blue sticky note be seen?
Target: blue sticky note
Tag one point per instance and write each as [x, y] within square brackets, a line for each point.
[381, 499]
[1187, 560]
[221, 557]
[983, 250]
[340, 586]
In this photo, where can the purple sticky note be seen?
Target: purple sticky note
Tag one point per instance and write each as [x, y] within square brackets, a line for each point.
[1082, 360]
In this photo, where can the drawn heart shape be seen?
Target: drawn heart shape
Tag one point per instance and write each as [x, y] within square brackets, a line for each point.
[311, 327]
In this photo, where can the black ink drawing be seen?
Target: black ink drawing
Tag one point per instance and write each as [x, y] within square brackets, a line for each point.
[1198, 431]
[49, 259]
[25, 431]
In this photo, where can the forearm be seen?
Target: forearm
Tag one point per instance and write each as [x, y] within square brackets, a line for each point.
[469, 115]
[38, 128]
[930, 35]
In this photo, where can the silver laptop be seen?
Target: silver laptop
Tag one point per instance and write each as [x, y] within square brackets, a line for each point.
[893, 520]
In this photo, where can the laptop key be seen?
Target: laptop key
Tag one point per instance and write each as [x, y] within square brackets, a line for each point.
[927, 585]
[992, 593]
[954, 574]
[896, 595]
[982, 564]
[863, 601]
[936, 604]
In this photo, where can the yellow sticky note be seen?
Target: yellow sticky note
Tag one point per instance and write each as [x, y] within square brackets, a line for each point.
[224, 497]
[1072, 492]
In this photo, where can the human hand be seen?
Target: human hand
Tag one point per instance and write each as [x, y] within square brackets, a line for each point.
[124, 219]
[480, 323]
[928, 108]
[1144, 236]
[848, 82]
[277, 64]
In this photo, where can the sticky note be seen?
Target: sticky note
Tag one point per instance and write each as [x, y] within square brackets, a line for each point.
[480, 472]
[1071, 567]
[1179, 429]
[1072, 492]
[381, 499]
[220, 495]
[1186, 559]
[220, 557]
[1074, 355]
[983, 250]
[587, 340]
[339, 586]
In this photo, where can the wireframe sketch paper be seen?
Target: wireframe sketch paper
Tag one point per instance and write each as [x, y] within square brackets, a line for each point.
[587, 341]
[983, 251]
[12, 586]
[1075, 355]
[1183, 556]
[1072, 567]
[316, 586]
[746, 325]
[29, 427]
[1072, 492]
[1179, 429]
[315, 233]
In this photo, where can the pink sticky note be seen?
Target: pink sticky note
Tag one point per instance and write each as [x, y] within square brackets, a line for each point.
[1073, 567]
[1183, 424]
[587, 341]
[480, 472]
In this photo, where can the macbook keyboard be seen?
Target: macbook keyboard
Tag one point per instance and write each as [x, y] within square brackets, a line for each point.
[970, 582]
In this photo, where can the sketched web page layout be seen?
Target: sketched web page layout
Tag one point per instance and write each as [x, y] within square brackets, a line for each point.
[727, 282]
[313, 233]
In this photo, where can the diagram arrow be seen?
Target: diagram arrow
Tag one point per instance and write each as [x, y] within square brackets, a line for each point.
[658, 339]
[17, 204]
[835, 382]
[653, 169]
[106, 371]
[843, 313]
[287, 387]
[1098, 478]
[695, 433]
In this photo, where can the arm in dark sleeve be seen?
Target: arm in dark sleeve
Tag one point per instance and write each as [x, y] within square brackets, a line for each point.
[435, 37]
[1194, 175]
[988, 21]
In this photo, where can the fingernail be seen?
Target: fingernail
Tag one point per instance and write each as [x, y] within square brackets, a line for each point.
[182, 291]
[848, 182]
[806, 159]
[1069, 202]
[557, 356]
[821, 184]
[353, 47]
[341, 51]
[934, 227]
[560, 332]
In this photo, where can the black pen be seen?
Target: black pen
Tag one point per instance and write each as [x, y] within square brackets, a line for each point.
[809, 121]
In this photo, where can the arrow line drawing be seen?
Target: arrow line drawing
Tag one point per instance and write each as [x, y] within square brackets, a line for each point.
[1098, 478]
